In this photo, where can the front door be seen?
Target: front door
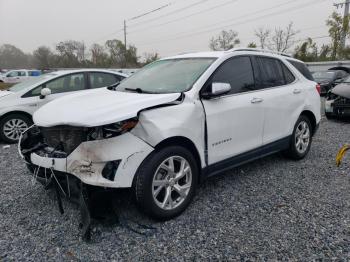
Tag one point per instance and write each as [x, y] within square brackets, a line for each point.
[235, 120]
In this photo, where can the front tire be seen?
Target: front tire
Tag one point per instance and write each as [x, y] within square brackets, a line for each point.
[301, 139]
[11, 127]
[166, 182]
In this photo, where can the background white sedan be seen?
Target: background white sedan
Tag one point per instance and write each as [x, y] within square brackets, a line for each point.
[18, 103]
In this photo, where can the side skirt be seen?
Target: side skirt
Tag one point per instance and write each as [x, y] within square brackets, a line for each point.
[246, 157]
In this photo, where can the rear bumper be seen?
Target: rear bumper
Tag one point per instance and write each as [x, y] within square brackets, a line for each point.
[120, 156]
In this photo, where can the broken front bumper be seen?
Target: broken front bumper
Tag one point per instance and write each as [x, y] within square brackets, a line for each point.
[337, 108]
[109, 163]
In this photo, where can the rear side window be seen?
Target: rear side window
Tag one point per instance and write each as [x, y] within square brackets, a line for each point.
[238, 72]
[98, 79]
[271, 72]
[301, 67]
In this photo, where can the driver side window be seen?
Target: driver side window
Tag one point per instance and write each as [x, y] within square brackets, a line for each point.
[238, 72]
[68, 83]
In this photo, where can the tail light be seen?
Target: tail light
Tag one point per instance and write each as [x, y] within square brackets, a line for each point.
[318, 88]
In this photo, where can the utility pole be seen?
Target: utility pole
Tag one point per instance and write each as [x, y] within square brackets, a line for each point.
[125, 43]
[125, 33]
[346, 13]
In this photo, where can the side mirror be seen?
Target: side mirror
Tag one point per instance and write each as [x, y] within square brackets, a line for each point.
[217, 89]
[45, 92]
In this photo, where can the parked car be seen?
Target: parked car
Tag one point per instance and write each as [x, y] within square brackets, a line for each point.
[329, 79]
[17, 76]
[337, 104]
[19, 102]
[176, 122]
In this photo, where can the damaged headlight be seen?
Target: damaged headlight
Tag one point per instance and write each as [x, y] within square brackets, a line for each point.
[112, 130]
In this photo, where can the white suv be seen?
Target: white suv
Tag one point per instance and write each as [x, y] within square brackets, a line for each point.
[176, 122]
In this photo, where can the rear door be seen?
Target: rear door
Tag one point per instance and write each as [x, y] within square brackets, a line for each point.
[283, 98]
[234, 120]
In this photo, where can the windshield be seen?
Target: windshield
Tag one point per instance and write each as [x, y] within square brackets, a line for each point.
[23, 85]
[323, 75]
[167, 76]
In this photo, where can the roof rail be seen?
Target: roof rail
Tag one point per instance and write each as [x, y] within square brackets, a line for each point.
[258, 50]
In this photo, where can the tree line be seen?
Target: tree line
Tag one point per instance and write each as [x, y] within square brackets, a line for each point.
[75, 54]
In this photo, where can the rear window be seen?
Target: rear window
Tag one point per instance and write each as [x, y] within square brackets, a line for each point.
[302, 69]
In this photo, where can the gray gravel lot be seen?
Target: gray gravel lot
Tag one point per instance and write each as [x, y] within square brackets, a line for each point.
[273, 208]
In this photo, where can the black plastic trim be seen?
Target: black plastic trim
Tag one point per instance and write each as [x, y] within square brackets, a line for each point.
[246, 157]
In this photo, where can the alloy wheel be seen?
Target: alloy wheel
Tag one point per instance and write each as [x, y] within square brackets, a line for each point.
[172, 182]
[13, 128]
[302, 137]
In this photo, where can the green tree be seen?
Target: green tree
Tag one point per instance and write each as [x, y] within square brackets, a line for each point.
[252, 45]
[307, 51]
[224, 41]
[44, 58]
[336, 26]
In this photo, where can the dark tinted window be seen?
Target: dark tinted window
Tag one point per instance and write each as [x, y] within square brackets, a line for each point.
[238, 72]
[271, 72]
[302, 69]
[288, 76]
[98, 80]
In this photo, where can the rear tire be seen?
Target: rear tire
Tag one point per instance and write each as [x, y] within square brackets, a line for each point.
[301, 139]
[11, 127]
[166, 182]
[330, 116]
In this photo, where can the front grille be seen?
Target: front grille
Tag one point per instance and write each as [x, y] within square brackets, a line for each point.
[63, 138]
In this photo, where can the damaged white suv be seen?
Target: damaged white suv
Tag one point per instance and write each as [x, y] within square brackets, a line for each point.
[176, 122]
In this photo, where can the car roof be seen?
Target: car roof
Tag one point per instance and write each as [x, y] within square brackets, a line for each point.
[70, 71]
[238, 51]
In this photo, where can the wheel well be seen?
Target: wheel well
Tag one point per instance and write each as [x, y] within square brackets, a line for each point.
[186, 143]
[17, 113]
[312, 119]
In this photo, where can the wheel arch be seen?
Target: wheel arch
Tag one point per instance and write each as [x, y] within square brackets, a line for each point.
[310, 115]
[186, 143]
[17, 112]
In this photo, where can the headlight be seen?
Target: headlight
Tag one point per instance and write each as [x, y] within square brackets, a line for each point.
[112, 130]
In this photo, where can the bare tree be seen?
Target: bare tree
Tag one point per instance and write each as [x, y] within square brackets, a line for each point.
[263, 35]
[224, 41]
[43, 57]
[283, 39]
[98, 55]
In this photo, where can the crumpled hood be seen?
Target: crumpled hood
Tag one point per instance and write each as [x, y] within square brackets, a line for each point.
[97, 108]
[5, 93]
[342, 90]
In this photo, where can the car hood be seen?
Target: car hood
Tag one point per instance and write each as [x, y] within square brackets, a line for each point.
[97, 108]
[5, 93]
[342, 90]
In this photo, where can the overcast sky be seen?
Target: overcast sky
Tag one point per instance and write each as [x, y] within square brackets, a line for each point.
[185, 25]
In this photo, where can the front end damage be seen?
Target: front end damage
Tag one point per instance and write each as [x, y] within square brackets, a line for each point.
[76, 159]
[337, 104]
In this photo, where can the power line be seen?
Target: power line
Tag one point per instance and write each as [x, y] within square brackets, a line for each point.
[187, 16]
[150, 12]
[170, 13]
[234, 24]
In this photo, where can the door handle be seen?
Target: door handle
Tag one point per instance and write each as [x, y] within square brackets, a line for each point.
[256, 100]
[296, 91]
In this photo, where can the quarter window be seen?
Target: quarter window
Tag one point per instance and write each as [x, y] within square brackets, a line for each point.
[238, 72]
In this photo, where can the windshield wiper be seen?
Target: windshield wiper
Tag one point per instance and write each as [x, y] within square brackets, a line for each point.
[113, 87]
[139, 90]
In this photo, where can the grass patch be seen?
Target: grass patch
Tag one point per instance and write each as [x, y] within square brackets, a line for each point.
[4, 86]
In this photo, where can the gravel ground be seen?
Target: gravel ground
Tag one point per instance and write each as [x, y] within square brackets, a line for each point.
[271, 209]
